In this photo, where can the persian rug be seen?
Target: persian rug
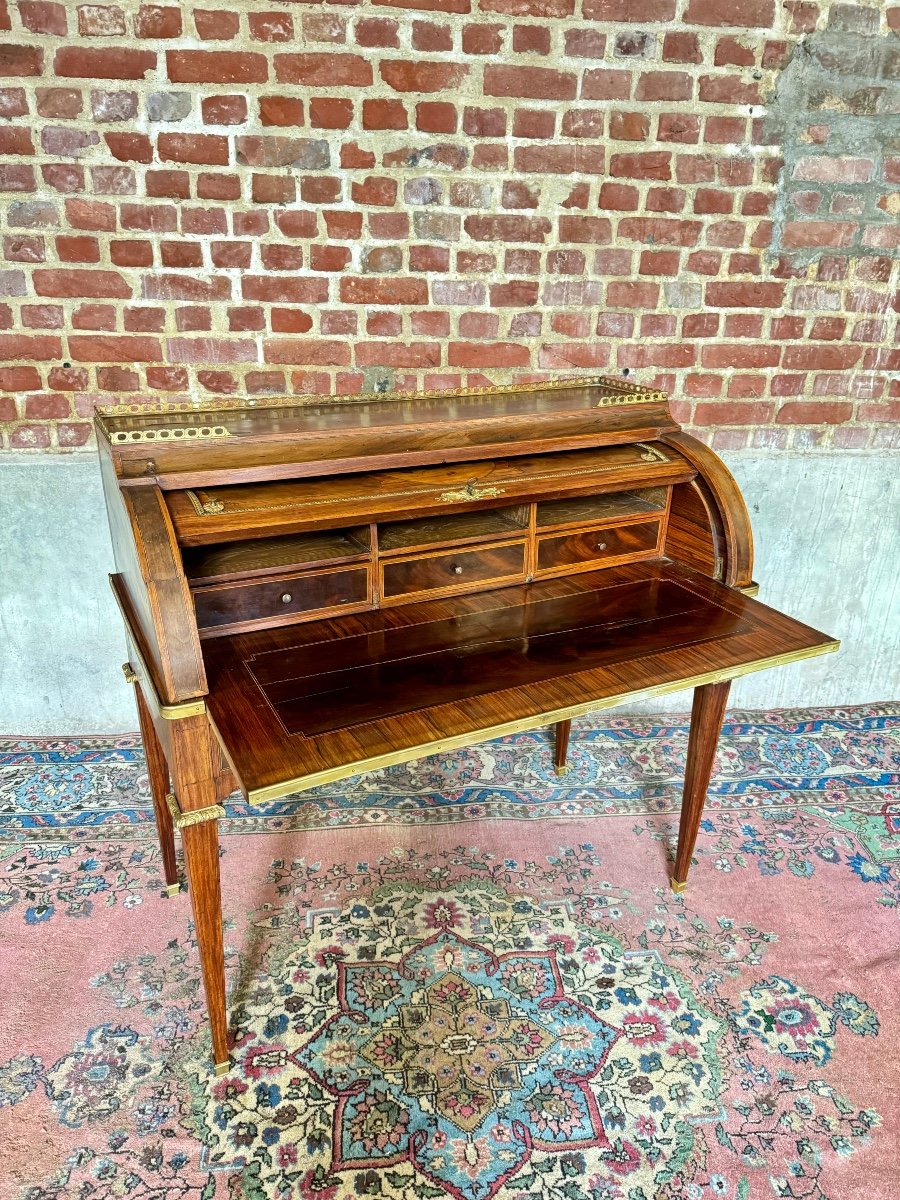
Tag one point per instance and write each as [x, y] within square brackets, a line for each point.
[466, 977]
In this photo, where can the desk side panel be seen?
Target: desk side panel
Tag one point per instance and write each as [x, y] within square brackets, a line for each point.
[149, 565]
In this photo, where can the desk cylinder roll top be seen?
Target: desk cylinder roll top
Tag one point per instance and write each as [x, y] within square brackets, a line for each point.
[314, 587]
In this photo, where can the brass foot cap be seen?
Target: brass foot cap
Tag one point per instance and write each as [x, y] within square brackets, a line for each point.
[561, 770]
[678, 887]
[172, 889]
[222, 1068]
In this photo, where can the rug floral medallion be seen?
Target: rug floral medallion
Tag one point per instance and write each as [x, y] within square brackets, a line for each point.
[493, 1008]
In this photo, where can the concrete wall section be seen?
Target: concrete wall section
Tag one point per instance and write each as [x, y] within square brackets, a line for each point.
[827, 531]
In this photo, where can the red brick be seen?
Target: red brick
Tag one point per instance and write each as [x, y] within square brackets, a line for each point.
[290, 320]
[100, 20]
[531, 39]
[186, 287]
[323, 70]
[660, 262]
[375, 190]
[324, 27]
[216, 66]
[537, 83]
[733, 414]
[725, 89]
[40, 17]
[274, 290]
[131, 253]
[813, 412]
[746, 355]
[281, 110]
[507, 228]
[584, 230]
[217, 186]
[603, 84]
[513, 8]
[434, 116]
[41, 316]
[271, 26]
[206, 149]
[731, 52]
[664, 85]
[113, 63]
[214, 25]
[98, 348]
[390, 291]
[487, 354]
[632, 295]
[65, 282]
[300, 351]
[745, 295]
[30, 437]
[632, 12]
[648, 354]
[821, 357]
[682, 47]
[623, 197]
[377, 31]
[212, 350]
[429, 37]
[678, 127]
[91, 214]
[224, 110]
[815, 234]
[422, 76]
[654, 164]
[157, 21]
[384, 114]
[398, 354]
[22, 379]
[129, 147]
[20, 60]
[739, 13]
[19, 248]
[712, 200]
[15, 139]
[629, 126]
[56, 102]
[534, 123]
[79, 248]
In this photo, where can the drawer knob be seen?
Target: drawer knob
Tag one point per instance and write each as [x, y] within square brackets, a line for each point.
[601, 545]
[286, 598]
[457, 570]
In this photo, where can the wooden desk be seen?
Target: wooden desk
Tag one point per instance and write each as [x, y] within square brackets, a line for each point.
[312, 589]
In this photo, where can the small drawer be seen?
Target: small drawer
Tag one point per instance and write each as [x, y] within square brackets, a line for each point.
[593, 546]
[240, 603]
[454, 569]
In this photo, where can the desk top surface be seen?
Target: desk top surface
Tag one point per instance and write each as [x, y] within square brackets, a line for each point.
[308, 704]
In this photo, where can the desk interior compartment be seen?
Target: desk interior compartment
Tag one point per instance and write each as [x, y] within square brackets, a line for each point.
[580, 549]
[452, 570]
[255, 557]
[454, 529]
[253, 604]
[612, 506]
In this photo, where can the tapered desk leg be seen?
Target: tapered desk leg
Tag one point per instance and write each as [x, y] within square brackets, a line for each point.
[158, 771]
[195, 765]
[563, 729]
[706, 724]
[201, 851]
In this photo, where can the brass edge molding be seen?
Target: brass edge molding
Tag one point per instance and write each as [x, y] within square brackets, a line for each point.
[181, 820]
[751, 589]
[206, 508]
[618, 392]
[168, 712]
[392, 758]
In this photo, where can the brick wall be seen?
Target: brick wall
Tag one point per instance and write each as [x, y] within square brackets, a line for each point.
[245, 198]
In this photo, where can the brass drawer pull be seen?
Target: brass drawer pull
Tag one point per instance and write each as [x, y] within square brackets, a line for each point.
[457, 570]
[286, 598]
[601, 545]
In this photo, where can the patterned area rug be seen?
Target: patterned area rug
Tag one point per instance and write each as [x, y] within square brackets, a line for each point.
[471, 980]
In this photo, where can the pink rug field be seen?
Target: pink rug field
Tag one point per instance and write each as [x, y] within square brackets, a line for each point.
[466, 977]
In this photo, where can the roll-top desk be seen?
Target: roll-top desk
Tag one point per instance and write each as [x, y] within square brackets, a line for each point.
[317, 587]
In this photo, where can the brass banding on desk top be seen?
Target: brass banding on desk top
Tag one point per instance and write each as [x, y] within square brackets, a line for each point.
[174, 433]
[276, 791]
[214, 506]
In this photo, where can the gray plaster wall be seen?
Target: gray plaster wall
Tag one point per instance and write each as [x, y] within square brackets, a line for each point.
[827, 529]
